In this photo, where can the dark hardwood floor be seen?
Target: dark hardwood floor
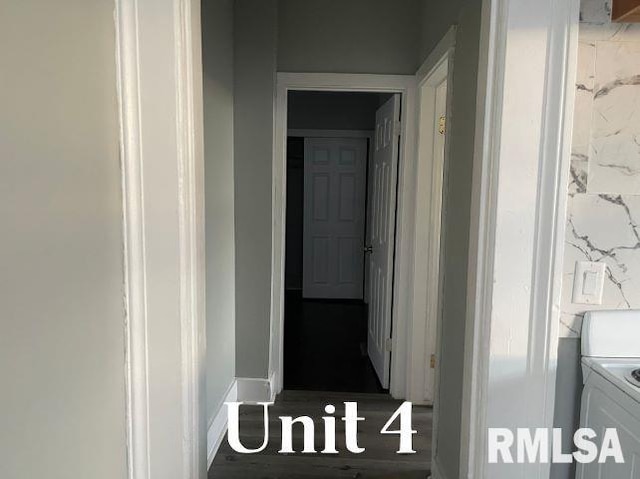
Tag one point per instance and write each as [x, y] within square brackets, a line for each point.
[378, 461]
[325, 346]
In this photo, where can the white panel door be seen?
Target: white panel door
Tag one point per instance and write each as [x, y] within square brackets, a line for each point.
[334, 217]
[381, 235]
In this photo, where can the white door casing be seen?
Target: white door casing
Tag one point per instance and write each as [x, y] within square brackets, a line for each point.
[432, 77]
[334, 216]
[518, 225]
[159, 71]
[438, 155]
[403, 315]
[381, 235]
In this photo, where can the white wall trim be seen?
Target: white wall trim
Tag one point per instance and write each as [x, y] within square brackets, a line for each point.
[515, 263]
[190, 148]
[219, 423]
[427, 281]
[247, 390]
[428, 278]
[315, 133]
[159, 69]
[273, 386]
[134, 257]
[406, 85]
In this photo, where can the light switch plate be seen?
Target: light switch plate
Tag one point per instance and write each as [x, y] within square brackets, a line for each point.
[588, 282]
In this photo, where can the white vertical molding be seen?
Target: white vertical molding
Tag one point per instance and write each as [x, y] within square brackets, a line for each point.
[160, 98]
[525, 105]
[278, 233]
[134, 239]
[481, 238]
[190, 147]
[403, 267]
[427, 281]
[549, 242]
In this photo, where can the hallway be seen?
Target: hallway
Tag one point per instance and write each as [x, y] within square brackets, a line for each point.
[379, 460]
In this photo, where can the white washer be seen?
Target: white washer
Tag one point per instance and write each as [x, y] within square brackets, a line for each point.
[611, 397]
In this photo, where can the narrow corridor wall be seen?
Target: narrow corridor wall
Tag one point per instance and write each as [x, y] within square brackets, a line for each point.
[255, 35]
[217, 59]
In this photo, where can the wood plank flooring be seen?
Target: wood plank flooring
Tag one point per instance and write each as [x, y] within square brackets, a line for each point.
[379, 460]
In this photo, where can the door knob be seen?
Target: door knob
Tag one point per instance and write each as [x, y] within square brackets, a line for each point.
[368, 249]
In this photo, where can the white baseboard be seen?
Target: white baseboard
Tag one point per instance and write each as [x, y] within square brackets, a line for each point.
[253, 390]
[218, 426]
[436, 470]
[247, 390]
[273, 380]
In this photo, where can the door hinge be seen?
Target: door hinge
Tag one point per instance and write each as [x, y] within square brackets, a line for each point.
[388, 344]
[442, 125]
[433, 361]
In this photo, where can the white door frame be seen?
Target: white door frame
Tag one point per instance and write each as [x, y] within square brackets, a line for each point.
[526, 86]
[403, 290]
[160, 98]
[427, 283]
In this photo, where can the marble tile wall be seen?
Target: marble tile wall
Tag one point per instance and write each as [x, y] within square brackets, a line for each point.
[603, 217]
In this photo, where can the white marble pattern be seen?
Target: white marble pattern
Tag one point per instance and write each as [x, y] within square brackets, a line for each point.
[582, 118]
[578, 176]
[614, 165]
[603, 228]
[585, 79]
[604, 191]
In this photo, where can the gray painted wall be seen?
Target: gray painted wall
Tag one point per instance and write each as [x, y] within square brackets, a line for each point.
[217, 56]
[457, 204]
[567, 406]
[355, 36]
[436, 19]
[255, 31]
[62, 322]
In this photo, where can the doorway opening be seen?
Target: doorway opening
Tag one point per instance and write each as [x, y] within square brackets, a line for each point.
[400, 316]
[341, 195]
[397, 254]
